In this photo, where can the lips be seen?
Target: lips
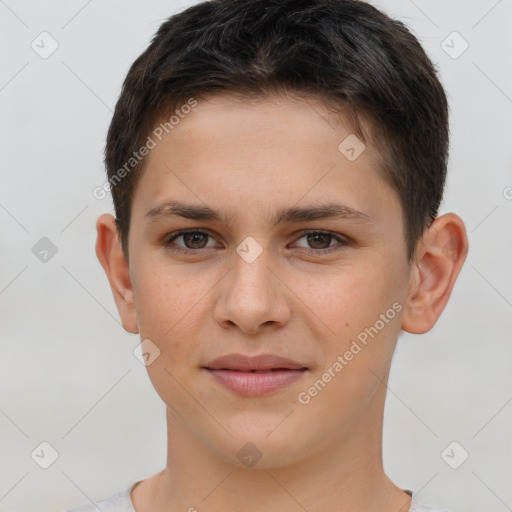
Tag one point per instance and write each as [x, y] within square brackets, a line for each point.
[255, 375]
[264, 362]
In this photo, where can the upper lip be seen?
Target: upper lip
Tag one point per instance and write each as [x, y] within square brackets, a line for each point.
[242, 362]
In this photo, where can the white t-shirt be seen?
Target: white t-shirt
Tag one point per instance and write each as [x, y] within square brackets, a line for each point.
[121, 502]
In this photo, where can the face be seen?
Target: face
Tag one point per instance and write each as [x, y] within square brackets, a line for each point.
[293, 249]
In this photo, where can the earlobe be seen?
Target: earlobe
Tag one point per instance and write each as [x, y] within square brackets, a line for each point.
[111, 257]
[441, 254]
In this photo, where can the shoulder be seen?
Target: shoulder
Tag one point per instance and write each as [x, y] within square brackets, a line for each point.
[118, 502]
[418, 506]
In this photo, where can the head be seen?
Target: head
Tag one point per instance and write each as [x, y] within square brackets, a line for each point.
[352, 57]
[305, 144]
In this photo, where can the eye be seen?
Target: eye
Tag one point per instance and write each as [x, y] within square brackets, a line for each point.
[320, 241]
[317, 242]
[192, 239]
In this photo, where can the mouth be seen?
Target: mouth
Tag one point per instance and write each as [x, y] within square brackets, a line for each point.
[250, 371]
[255, 375]
[261, 363]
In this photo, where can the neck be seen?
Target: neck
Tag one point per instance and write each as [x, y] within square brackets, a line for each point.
[349, 477]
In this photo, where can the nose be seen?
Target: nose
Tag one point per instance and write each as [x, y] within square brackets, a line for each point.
[252, 296]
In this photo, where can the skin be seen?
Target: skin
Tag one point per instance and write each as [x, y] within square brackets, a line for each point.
[249, 159]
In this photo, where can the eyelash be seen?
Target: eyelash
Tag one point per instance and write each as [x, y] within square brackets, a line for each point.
[315, 252]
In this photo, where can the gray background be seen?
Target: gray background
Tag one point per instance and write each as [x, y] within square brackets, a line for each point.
[68, 375]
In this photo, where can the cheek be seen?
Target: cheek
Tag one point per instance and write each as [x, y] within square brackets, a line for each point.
[365, 316]
[169, 310]
[362, 308]
[350, 297]
[168, 307]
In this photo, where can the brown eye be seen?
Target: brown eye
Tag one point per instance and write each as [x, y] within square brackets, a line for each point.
[319, 242]
[192, 240]
[195, 240]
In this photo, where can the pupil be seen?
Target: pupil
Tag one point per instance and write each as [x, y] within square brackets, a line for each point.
[313, 238]
[195, 238]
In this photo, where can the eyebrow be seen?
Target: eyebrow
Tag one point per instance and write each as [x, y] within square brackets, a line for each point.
[286, 215]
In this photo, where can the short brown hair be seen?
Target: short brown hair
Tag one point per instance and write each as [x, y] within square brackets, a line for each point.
[345, 52]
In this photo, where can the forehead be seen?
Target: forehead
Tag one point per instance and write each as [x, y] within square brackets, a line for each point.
[252, 120]
[232, 151]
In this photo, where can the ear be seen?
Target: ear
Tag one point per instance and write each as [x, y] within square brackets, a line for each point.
[110, 254]
[440, 254]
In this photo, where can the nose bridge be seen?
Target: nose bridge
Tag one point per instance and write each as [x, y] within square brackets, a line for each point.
[251, 272]
[250, 296]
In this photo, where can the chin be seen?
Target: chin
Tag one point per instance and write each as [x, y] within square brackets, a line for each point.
[262, 444]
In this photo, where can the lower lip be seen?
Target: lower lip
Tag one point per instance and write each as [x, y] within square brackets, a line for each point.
[256, 384]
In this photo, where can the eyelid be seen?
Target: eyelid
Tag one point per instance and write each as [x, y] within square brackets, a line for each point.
[338, 236]
[170, 238]
[343, 241]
